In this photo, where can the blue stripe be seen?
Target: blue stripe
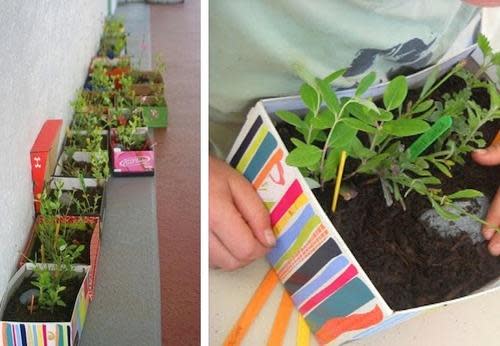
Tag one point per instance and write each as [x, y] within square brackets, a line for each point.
[261, 156]
[342, 303]
[35, 335]
[22, 329]
[10, 340]
[286, 240]
[331, 269]
[387, 323]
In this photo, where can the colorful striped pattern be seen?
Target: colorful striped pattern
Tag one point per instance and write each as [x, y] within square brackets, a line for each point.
[322, 281]
[48, 334]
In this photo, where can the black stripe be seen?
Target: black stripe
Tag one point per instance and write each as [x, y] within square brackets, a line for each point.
[246, 142]
[312, 266]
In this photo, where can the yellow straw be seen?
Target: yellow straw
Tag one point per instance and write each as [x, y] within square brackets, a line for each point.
[303, 333]
[343, 157]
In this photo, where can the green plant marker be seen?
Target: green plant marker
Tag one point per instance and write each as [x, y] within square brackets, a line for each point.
[429, 137]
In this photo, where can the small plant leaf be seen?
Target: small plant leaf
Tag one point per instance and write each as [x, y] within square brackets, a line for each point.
[442, 167]
[365, 83]
[290, 118]
[324, 120]
[467, 193]
[358, 151]
[359, 125]
[384, 116]
[372, 163]
[395, 93]
[310, 97]
[342, 135]
[445, 214]
[429, 82]
[405, 127]
[424, 106]
[368, 105]
[331, 100]
[304, 156]
[495, 59]
[334, 75]
[360, 112]
[331, 164]
[484, 44]
[297, 142]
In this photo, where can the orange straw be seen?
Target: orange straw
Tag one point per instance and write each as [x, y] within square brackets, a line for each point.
[281, 320]
[497, 139]
[252, 309]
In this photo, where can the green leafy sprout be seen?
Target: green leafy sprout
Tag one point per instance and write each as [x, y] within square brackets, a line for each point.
[375, 136]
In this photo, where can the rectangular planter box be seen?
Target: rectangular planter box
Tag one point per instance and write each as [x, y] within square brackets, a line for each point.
[43, 155]
[71, 183]
[132, 163]
[66, 333]
[155, 86]
[95, 246]
[350, 307]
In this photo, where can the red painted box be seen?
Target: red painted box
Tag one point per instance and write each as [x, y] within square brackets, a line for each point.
[43, 155]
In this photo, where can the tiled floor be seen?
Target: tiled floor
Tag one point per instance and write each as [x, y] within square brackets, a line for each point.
[175, 32]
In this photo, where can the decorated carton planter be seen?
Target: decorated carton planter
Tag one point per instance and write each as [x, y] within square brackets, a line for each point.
[154, 111]
[114, 38]
[132, 152]
[85, 156]
[147, 83]
[361, 275]
[80, 196]
[79, 230]
[41, 327]
[44, 155]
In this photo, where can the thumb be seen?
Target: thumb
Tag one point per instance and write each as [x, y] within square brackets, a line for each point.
[489, 156]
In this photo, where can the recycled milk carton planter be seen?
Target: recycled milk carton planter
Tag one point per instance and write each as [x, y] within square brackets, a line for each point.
[95, 247]
[134, 162]
[63, 333]
[71, 184]
[318, 270]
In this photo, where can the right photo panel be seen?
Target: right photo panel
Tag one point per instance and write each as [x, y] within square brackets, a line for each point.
[354, 172]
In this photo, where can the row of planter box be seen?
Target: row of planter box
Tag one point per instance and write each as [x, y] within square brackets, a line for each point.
[70, 197]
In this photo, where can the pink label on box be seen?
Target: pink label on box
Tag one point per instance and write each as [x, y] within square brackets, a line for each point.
[134, 161]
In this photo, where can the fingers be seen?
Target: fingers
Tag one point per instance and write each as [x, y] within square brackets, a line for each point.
[220, 257]
[489, 156]
[252, 210]
[493, 220]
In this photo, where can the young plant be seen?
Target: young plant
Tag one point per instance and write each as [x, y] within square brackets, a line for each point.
[128, 136]
[88, 205]
[100, 79]
[375, 137]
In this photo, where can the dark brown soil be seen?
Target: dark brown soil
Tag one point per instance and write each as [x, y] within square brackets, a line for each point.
[16, 312]
[79, 141]
[78, 237]
[410, 266]
[71, 168]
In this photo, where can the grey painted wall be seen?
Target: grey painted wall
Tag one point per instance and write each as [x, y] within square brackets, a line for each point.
[45, 49]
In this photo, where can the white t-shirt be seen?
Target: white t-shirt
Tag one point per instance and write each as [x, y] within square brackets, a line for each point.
[256, 46]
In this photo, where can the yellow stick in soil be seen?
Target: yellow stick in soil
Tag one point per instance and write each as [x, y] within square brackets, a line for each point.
[340, 172]
[303, 332]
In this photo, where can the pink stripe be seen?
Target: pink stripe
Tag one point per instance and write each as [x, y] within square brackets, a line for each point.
[44, 329]
[286, 202]
[344, 278]
[14, 334]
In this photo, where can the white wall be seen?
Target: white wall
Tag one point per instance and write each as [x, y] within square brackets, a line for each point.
[45, 48]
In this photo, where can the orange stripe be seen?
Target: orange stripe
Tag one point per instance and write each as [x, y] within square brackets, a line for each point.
[337, 326]
[276, 158]
[252, 309]
[281, 321]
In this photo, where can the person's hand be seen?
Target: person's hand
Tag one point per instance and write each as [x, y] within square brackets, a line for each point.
[240, 227]
[490, 157]
[483, 3]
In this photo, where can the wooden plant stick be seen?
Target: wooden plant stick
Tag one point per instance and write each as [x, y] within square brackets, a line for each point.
[303, 332]
[252, 309]
[32, 303]
[496, 140]
[338, 180]
[281, 320]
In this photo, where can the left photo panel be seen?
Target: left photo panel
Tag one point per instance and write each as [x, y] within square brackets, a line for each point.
[100, 202]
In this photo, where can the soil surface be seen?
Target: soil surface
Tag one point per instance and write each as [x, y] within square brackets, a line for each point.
[409, 265]
[92, 193]
[17, 312]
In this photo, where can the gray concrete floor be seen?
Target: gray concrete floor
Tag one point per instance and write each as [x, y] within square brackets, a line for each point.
[127, 305]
